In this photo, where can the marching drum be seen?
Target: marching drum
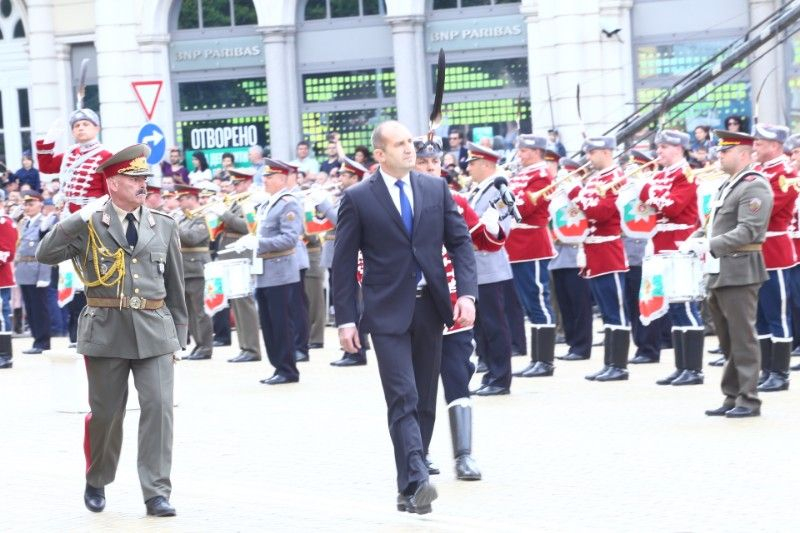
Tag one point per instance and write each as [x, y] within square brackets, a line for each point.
[236, 280]
[683, 277]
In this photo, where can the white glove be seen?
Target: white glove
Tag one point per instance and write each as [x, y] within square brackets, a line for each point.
[246, 242]
[42, 284]
[317, 196]
[218, 208]
[16, 212]
[47, 223]
[259, 197]
[55, 131]
[697, 246]
[491, 221]
[92, 207]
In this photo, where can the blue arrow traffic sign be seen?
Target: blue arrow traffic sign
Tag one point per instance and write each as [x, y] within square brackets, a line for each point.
[151, 135]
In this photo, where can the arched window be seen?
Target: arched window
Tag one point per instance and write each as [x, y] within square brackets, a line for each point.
[333, 9]
[10, 21]
[458, 4]
[201, 14]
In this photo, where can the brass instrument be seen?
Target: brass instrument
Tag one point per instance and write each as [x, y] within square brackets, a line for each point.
[784, 183]
[547, 190]
[227, 201]
[603, 189]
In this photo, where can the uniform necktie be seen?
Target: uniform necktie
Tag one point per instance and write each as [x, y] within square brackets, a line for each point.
[405, 208]
[131, 234]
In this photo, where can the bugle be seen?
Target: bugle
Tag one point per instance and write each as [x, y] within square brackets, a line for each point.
[227, 201]
[603, 189]
[548, 189]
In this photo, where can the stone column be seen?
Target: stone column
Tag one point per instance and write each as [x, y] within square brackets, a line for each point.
[769, 70]
[410, 70]
[295, 93]
[284, 126]
[45, 90]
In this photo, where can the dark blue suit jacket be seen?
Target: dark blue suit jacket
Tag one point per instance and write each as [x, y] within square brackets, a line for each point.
[369, 221]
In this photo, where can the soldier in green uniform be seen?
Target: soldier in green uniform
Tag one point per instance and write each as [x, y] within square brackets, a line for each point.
[135, 320]
[195, 240]
[732, 242]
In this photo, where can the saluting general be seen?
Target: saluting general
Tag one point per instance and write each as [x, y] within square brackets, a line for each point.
[400, 219]
[135, 320]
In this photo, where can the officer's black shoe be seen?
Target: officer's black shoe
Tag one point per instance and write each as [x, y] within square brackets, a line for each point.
[594, 376]
[199, 355]
[719, 411]
[159, 506]
[278, 379]
[572, 357]
[669, 379]
[350, 359]
[481, 368]
[742, 412]
[796, 351]
[300, 357]
[642, 360]
[689, 377]
[764, 376]
[539, 370]
[795, 367]
[521, 373]
[492, 390]
[467, 469]
[716, 351]
[613, 374]
[420, 501]
[244, 357]
[219, 344]
[777, 381]
[30, 351]
[5, 362]
[315, 345]
[94, 498]
[717, 362]
[516, 352]
[433, 470]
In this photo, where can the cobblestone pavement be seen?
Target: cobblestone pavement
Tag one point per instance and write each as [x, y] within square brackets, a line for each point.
[558, 454]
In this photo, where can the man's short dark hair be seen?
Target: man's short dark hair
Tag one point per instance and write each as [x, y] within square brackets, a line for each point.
[228, 155]
[304, 143]
[457, 132]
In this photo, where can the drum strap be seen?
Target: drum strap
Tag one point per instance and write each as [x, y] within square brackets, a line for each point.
[598, 239]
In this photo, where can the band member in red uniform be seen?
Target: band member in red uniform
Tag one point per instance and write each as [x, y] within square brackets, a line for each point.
[774, 318]
[530, 249]
[77, 167]
[8, 249]
[792, 148]
[606, 263]
[672, 192]
[457, 343]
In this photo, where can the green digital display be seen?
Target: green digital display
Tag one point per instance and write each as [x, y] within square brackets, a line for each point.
[349, 85]
[354, 127]
[488, 113]
[222, 94]
[668, 60]
[478, 75]
[713, 102]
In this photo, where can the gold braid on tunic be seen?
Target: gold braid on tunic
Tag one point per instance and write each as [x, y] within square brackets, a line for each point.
[115, 273]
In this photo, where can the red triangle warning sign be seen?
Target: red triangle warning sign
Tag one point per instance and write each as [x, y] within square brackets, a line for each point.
[147, 92]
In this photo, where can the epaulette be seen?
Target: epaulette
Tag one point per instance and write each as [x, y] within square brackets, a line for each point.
[688, 173]
[162, 213]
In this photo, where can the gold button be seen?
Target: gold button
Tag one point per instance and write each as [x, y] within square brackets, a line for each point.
[136, 291]
[134, 261]
[136, 276]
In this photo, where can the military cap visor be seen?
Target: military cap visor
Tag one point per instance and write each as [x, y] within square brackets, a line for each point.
[130, 161]
[729, 139]
[32, 196]
[241, 174]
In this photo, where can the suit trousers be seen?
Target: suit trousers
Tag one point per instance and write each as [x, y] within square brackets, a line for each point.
[277, 327]
[492, 335]
[457, 369]
[516, 320]
[315, 295]
[298, 310]
[646, 338]
[734, 312]
[532, 281]
[200, 327]
[244, 310]
[774, 315]
[409, 364]
[37, 310]
[108, 395]
[575, 302]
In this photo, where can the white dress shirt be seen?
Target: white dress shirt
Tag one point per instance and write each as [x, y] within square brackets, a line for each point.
[394, 190]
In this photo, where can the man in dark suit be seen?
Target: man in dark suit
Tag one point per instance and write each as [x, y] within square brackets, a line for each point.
[399, 220]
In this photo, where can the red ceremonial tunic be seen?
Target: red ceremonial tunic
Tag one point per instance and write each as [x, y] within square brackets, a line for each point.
[779, 250]
[530, 240]
[8, 248]
[673, 194]
[603, 247]
[77, 169]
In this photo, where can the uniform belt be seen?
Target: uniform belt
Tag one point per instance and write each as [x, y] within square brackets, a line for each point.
[233, 234]
[520, 225]
[133, 302]
[600, 239]
[668, 226]
[313, 248]
[194, 249]
[755, 247]
[330, 237]
[776, 233]
[272, 255]
[25, 259]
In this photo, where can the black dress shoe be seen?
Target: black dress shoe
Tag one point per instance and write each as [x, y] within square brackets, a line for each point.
[669, 379]
[159, 506]
[716, 351]
[539, 370]
[762, 377]
[199, 355]
[719, 411]
[517, 353]
[315, 345]
[572, 357]
[32, 351]
[528, 368]
[717, 362]
[94, 498]
[689, 377]
[244, 357]
[467, 469]
[481, 368]
[300, 357]
[742, 412]
[642, 360]
[350, 359]
[219, 344]
[433, 470]
[777, 381]
[420, 501]
[592, 377]
[492, 390]
[5, 362]
[795, 368]
[796, 351]
[613, 374]
[277, 379]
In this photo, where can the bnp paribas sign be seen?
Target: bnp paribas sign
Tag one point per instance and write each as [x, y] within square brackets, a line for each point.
[475, 33]
[207, 54]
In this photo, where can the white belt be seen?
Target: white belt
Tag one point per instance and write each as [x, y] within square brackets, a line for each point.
[776, 233]
[520, 225]
[668, 226]
[600, 239]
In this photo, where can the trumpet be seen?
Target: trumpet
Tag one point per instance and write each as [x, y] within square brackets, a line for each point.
[227, 201]
[603, 189]
[547, 190]
[784, 183]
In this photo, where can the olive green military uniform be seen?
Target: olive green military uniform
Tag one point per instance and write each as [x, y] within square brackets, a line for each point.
[315, 291]
[195, 240]
[739, 218]
[138, 333]
[244, 309]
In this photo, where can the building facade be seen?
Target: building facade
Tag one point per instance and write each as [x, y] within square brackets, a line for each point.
[272, 72]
